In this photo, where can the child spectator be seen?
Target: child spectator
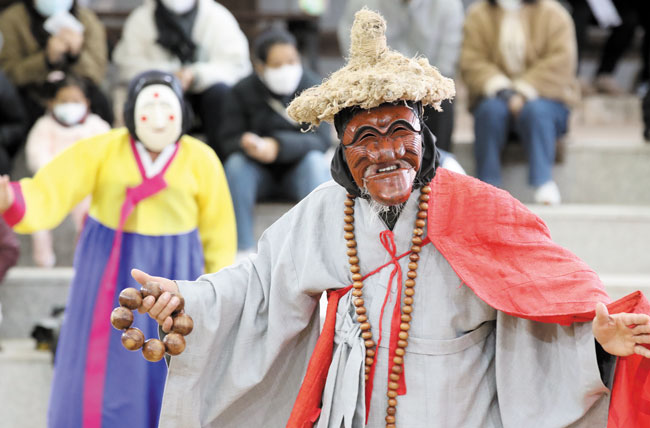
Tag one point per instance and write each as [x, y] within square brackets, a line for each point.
[68, 120]
[42, 37]
[267, 153]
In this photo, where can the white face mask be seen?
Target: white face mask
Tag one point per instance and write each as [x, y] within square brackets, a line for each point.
[283, 80]
[50, 7]
[158, 117]
[179, 7]
[70, 113]
[509, 4]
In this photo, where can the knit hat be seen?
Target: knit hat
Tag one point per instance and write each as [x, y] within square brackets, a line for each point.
[374, 75]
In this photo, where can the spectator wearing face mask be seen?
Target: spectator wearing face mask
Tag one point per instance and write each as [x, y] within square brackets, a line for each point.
[197, 40]
[67, 121]
[267, 154]
[42, 39]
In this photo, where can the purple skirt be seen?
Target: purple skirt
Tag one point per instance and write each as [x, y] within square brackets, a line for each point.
[133, 387]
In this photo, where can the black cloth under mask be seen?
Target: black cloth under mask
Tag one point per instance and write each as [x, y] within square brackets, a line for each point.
[175, 31]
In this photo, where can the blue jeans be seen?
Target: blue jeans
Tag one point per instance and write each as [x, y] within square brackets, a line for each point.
[538, 125]
[250, 181]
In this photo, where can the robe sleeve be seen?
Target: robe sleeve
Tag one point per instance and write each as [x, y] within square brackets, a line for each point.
[216, 215]
[255, 326]
[542, 366]
[44, 201]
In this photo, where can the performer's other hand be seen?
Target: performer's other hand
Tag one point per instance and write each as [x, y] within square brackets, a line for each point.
[621, 334]
[6, 194]
[160, 309]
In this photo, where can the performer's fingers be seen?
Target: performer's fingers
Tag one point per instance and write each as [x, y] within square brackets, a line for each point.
[140, 276]
[635, 319]
[147, 303]
[641, 329]
[167, 325]
[642, 338]
[642, 350]
[602, 314]
[168, 309]
[160, 304]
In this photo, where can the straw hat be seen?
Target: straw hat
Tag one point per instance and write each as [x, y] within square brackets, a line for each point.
[374, 75]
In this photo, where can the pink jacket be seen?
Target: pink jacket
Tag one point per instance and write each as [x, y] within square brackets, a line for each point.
[48, 137]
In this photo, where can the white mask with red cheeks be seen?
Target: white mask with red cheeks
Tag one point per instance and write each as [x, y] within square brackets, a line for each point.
[158, 117]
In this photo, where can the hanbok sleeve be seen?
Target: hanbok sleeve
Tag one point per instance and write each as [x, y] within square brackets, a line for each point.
[44, 201]
[217, 227]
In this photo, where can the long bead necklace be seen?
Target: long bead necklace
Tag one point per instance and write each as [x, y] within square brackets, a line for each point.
[407, 308]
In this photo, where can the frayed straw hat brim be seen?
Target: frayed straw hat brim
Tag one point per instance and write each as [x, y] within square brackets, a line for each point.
[373, 76]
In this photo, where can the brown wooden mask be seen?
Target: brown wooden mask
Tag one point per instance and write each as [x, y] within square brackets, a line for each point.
[383, 149]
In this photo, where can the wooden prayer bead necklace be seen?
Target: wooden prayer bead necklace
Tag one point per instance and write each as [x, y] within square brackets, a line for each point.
[133, 339]
[407, 308]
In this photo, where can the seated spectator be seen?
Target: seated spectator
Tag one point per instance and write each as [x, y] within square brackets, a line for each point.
[197, 40]
[432, 28]
[13, 124]
[67, 121]
[44, 38]
[267, 153]
[9, 251]
[624, 16]
[518, 61]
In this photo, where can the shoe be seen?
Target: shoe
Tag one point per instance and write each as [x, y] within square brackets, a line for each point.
[586, 88]
[548, 194]
[606, 84]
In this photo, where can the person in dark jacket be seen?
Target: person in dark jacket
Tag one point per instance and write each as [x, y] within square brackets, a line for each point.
[266, 153]
[13, 124]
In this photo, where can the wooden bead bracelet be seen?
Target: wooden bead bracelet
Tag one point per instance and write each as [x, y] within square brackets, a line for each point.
[133, 339]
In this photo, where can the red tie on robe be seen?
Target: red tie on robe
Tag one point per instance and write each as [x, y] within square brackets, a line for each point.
[504, 253]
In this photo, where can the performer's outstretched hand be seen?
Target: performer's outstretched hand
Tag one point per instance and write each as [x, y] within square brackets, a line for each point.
[160, 309]
[621, 334]
[6, 194]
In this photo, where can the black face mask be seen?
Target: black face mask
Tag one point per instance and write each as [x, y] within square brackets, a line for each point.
[145, 79]
[430, 156]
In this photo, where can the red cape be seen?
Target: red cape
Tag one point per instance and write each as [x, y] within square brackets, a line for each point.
[505, 254]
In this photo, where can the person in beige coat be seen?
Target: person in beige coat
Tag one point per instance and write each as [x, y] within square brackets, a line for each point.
[44, 39]
[518, 60]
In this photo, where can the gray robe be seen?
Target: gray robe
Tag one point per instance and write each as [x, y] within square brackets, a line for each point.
[467, 365]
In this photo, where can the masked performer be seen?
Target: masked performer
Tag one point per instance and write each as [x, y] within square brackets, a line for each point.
[159, 199]
[449, 305]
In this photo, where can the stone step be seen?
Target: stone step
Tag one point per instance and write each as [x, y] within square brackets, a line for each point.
[600, 167]
[611, 239]
[28, 295]
[25, 387]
